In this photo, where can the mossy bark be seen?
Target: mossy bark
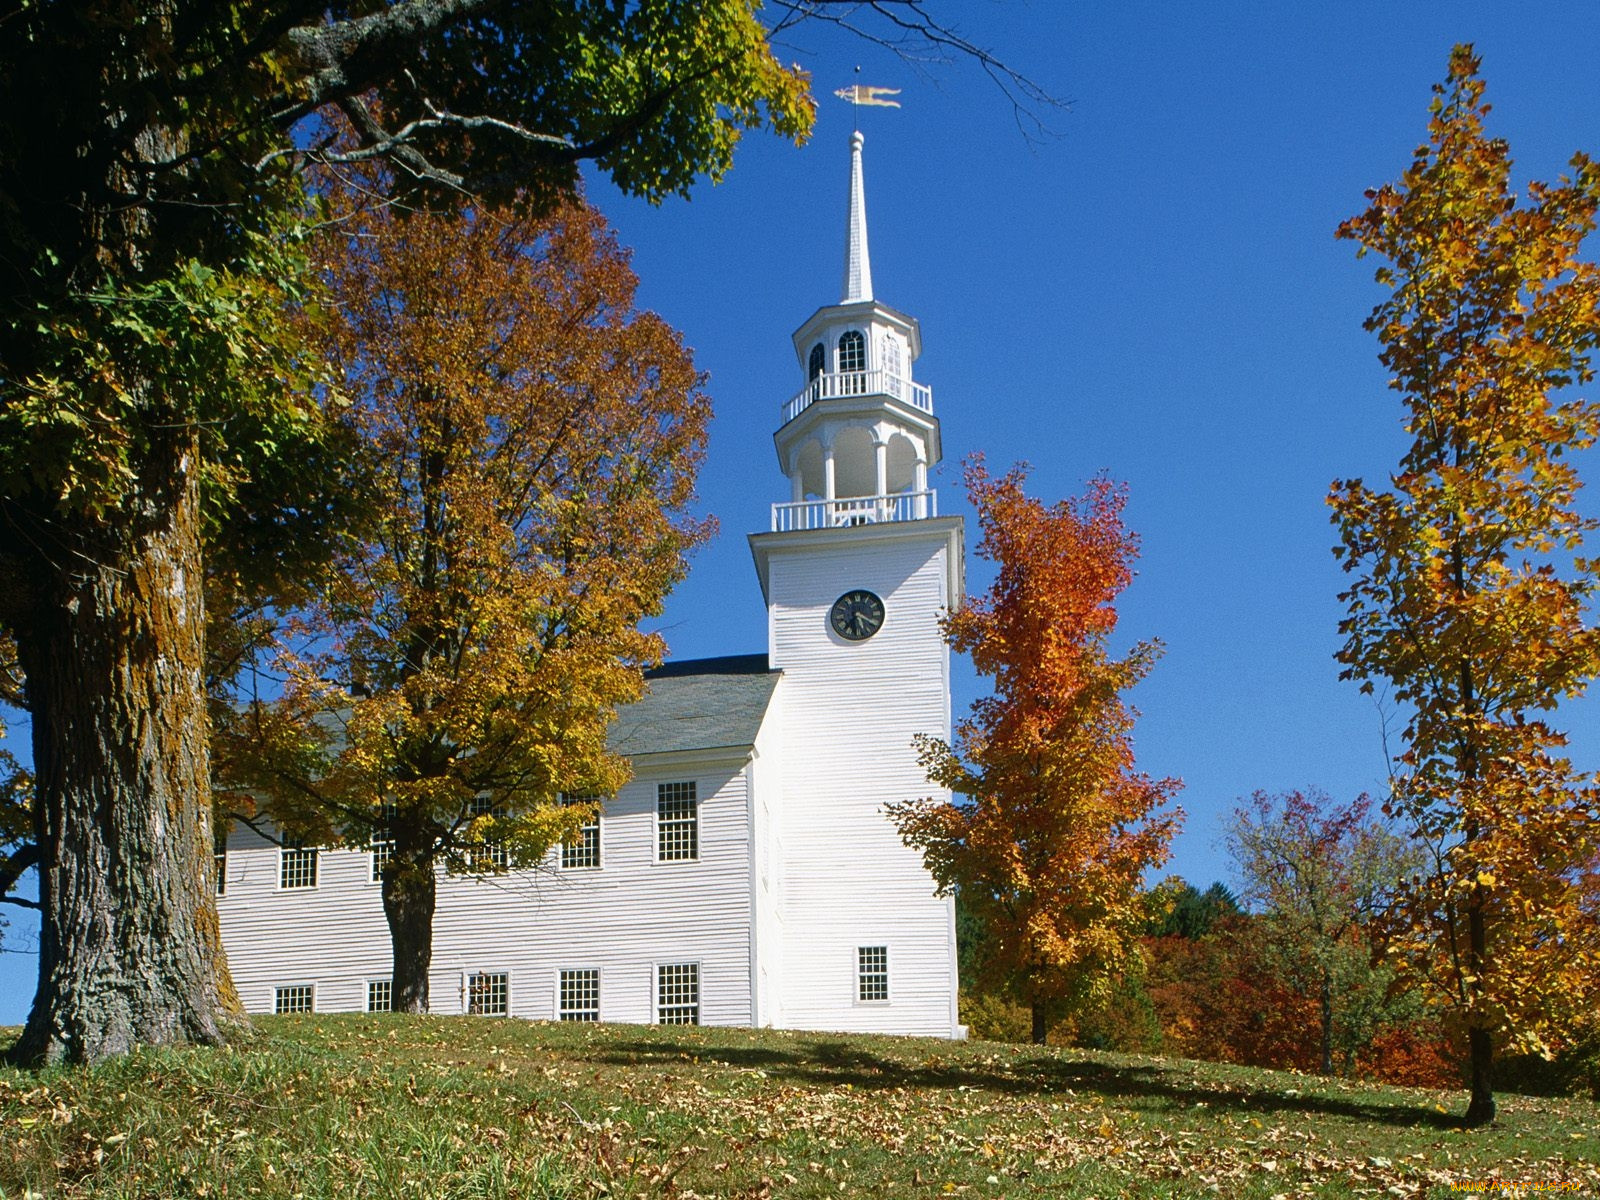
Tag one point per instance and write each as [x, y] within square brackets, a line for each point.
[112, 643]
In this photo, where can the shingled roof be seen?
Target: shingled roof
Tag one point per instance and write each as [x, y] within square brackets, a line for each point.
[697, 704]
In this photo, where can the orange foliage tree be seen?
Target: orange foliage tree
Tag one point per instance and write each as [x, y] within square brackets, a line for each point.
[1469, 594]
[1051, 828]
[533, 443]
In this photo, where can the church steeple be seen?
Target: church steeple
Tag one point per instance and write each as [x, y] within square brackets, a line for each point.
[857, 262]
[857, 440]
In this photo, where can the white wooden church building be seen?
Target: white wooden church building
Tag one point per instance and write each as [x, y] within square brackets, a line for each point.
[748, 874]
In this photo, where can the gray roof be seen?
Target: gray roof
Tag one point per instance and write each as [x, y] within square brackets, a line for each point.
[698, 704]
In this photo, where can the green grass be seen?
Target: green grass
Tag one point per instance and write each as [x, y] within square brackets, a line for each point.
[455, 1107]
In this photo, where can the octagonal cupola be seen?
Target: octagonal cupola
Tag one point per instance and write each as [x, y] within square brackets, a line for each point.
[857, 439]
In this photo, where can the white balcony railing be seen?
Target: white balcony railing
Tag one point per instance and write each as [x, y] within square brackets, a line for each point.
[856, 510]
[832, 384]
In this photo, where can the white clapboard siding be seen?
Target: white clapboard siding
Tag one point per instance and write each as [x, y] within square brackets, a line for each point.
[767, 776]
[852, 710]
[623, 919]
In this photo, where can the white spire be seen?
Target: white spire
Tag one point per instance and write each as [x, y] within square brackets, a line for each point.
[857, 264]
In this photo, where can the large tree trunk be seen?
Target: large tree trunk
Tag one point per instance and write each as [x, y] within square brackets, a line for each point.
[410, 890]
[112, 642]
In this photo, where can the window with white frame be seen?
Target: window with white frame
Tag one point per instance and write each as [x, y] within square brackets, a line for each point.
[891, 362]
[219, 848]
[872, 974]
[297, 864]
[579, 999]
[382, 842]
[585, 852]
[678, 993]
[489, 853]
[380, 995]
[852, 351]
[489, 994]
[297, 998]
[677, 822]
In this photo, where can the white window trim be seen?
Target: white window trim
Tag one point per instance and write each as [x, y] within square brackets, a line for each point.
[374, 872]
[278, 987]
[888, 980]
[866, 351]
[599, 997]
[366, 994]
[599, 841]
[316, 868]
[655, 817]
[466, 990]
[699, 988]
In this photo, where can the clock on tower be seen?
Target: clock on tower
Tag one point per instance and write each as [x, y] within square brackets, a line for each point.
[857, 569]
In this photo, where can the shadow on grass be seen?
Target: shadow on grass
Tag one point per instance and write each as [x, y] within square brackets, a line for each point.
[834, 1064]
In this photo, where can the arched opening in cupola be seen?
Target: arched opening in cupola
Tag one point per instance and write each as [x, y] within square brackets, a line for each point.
[852, 351]
[855, 471]
[902, 464]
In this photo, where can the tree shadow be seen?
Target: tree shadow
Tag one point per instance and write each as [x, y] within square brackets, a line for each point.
[823, 1063]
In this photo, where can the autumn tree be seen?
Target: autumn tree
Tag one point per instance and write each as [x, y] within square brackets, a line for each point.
[1051, 828]
[534, 442]
[151, 181]
[1469, 590]
[1322, 874]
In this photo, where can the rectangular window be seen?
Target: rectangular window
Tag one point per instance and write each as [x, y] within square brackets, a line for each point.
[678, 994]
[489, 994]
[490, 853]
[580, 996]
[219, 847]
[380, 995]
[872, 973]
[301, 998]
[585, 852]
[297, 864]
[382, 852]
[382, 842]
[677, 822]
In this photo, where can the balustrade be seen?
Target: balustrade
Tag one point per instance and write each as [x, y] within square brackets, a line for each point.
[831, 385]
[855, 510]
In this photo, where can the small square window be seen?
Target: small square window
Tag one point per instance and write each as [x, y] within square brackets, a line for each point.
[678, 994]
[580, 996]
[585, 852]
[298, 998]
[677, 822]
[297, 864]
[872, 974]
[380, 995]
[489, 994]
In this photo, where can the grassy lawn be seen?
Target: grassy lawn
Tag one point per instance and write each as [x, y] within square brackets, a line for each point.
[448, 1107]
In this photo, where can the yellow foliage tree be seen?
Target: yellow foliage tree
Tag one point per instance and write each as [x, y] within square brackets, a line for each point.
[1470, 591]
[533, 443]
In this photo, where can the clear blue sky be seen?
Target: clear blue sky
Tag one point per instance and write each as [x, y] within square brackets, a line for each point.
[1155, 293]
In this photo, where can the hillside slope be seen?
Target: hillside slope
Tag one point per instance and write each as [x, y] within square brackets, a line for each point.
[448, 1107]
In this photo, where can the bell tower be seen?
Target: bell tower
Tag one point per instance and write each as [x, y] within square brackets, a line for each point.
[856, 569]
[857, 439]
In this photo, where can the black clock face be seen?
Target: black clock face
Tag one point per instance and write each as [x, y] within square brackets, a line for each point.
[856, 615]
